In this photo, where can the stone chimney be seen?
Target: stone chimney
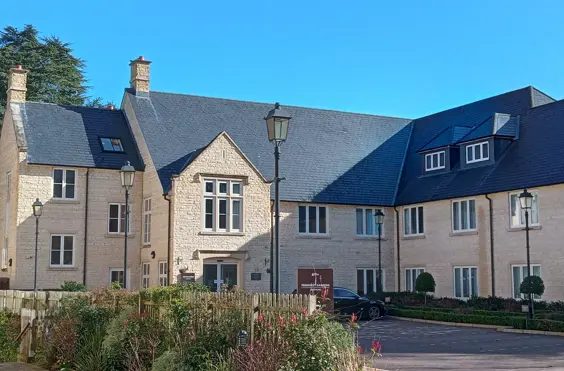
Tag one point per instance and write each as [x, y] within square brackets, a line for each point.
[17, 81]
[139, 80]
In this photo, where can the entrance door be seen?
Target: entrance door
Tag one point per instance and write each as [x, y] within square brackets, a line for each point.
[227, 274]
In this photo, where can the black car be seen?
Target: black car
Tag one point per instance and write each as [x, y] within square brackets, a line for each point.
[347, 302]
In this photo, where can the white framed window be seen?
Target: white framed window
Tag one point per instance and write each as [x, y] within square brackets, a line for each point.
[518, 274]
[64, 184]
[147, 210]
[116, 219]
[62, 250]
[223, 205]
[366, 222]
[163, 273]
[411, 275]
[312, 219]
[413, 221]
[146, 275]
[464, 215]
[116, 275]
[477, 152]
[435, 161]
[465, 282]
[517, 215]
[367, 280]
[111, 144]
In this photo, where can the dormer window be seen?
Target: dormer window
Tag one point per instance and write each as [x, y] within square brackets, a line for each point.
[111, 144]
[435, 161]
[477, 152]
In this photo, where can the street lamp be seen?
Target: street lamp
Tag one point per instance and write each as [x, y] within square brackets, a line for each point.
[526, 199]
[37, 211]
[127, 174]
[379, 216]
[277, 122]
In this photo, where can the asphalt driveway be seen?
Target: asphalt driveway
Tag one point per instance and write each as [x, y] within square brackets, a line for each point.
[422, 346]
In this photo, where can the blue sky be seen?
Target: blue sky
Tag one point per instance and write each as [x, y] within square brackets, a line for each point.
[398, 58]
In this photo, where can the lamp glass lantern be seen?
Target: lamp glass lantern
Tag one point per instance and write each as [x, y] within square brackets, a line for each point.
[526, 199]
[127, 173]
[379, 216]
[37, 208]
[277, 122]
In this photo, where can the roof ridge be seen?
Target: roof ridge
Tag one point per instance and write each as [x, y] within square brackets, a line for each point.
[72, 106]
[285, 105]
[475, 127]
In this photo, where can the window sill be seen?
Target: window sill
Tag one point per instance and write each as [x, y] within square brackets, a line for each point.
[375, 238]
[145, 245]
[62, 269]
[210, 233]
[463, 233]
[119, 235]
[314, 236]
[63, 201]
[517, 229]
[414, 237]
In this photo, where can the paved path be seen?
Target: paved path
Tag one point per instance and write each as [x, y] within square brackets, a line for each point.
[422, 346]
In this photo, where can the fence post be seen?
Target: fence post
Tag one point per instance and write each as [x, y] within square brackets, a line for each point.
[312, 304]
[254, 315]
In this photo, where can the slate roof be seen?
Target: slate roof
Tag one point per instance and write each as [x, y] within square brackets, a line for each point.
[447, 137]
[528, 161]
[329, 157]
[70, 136]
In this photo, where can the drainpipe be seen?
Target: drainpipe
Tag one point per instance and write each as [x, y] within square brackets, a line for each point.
[271, 268]
[167, 198]
[85, 227]
[398, 247]
[492, 260]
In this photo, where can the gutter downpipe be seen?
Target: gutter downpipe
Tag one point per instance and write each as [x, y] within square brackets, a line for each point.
[398, 247]
[85, 227]
[167, 198]
[492, 255]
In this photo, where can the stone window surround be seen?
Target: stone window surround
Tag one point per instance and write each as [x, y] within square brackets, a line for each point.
[215, 195]
[147, 216]
[62, 250]
[63, 198]
[317, 234]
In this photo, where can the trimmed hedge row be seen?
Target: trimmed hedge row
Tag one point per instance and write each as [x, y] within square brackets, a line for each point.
[497, 320]
[467, 311]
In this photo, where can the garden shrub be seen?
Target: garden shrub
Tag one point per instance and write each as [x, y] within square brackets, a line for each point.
[425, 283]
[73, 286]
[114, 344]
[9, 331]
[144, 340]
[532, 285]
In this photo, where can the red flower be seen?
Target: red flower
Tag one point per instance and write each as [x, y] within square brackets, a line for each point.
[294, 319]
[376, 346]
[260, 318]
[353, 319]
[281, 320]
[360, 350]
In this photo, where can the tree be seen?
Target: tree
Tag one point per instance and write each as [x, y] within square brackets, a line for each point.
[532, 285]
[55, 75]
[425, 283]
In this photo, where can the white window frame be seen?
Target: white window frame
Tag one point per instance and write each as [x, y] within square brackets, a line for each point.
[438, 156]
[229, 196]
[317, 208]
[145, 275]
[374, 272]
[147, 215]
[523, 269]
[163, 273]
[128, 282]
[459, 215]
[410, 285]
[364, 224]
[121, 206]
[469, 282]
[64, 184]
[472, 148]
[411, 233]
[519, 214]
[62, 251]
[113, 145]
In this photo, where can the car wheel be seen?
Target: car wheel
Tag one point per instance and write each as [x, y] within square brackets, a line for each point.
[374, 312]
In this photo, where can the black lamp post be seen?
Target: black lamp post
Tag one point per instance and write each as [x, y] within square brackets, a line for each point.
[526, 199]
[37, 211]
[379, 216]
[277, 122]
[127, 173]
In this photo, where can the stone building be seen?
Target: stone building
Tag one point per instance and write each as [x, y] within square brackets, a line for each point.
[201, 206]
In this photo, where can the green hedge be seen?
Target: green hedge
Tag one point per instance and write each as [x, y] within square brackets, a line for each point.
[500, 319]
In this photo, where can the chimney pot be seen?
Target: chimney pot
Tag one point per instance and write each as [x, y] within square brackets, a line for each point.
[19, 66]
[141, 58]
[111, 107]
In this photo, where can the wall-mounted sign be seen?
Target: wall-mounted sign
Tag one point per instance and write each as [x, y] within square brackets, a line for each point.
[256, 277]
[313, 281]
[187, 277]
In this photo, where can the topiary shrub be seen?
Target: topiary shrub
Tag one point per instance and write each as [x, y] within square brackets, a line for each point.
[73, 286]
[425, 283]
[532, 285]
